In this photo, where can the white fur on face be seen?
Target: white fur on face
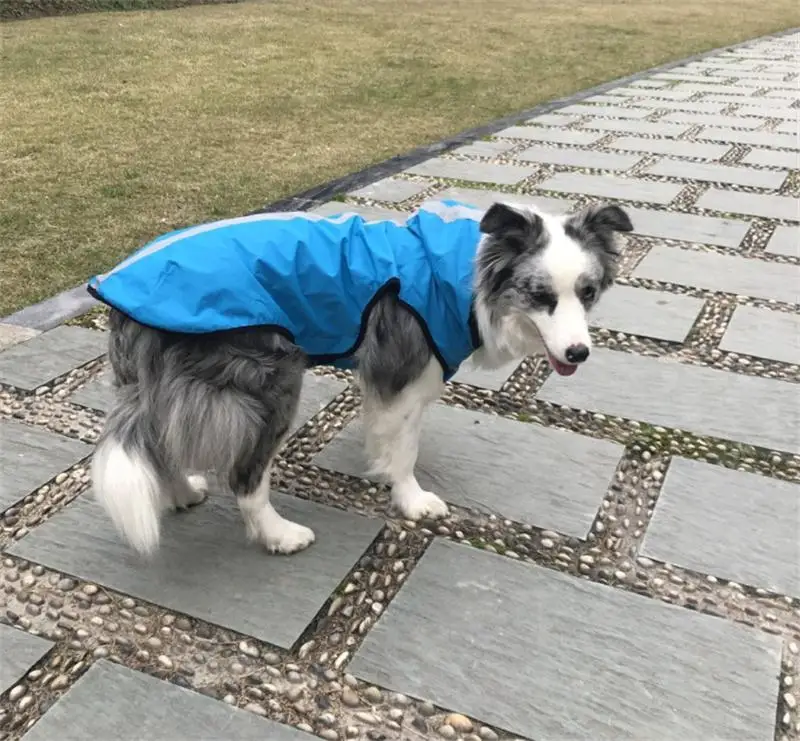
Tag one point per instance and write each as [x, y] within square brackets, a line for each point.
[564, 261]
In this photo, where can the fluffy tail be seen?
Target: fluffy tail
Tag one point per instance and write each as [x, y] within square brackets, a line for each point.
[152, 441]
[127, 483]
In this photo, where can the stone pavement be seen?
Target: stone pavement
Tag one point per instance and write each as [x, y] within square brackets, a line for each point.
[622, 561]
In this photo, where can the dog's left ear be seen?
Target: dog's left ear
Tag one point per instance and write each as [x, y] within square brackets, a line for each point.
[501, 219]
[601, 221]
[606, 218]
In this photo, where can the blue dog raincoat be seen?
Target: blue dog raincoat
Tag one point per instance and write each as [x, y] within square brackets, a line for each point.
[312, 278]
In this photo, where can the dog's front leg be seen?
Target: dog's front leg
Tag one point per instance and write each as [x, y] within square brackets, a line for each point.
[392, 428]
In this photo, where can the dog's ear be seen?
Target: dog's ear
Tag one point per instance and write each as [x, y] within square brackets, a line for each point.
[513, 234]
[501, 218]
[518, 231]
[604, 218]
[599, 223]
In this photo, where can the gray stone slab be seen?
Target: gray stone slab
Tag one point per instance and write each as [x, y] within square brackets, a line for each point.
[649, 82]
[30, 457]
[390, 190]
[553, 119]
[544, 134]
[757, 75]
[635, 92]
[788, 88]
[20, 651]
[605, 186]
[50, 355]
[763, 333]
[785, 240]
[737, 275]
[54, 311]
[753, 204]
[98, 394]
[609, 111]
[735, 175]
[485, 149]
[484, 378]
[371, 213]
[317, 393]
[696, 87]
[763, 102]
[568, 659]
[790, 114]
[789, 127]
[730, 63]
[711, 119]
[791, 96]
[553, 478]
[698, 150]
[113, 702]
[485, 198]
[756, 138]
[477, 172]
[637, 127]
[613, 99]
[688, 227]
[205, 567]
[724, 522]
[12, 334]
[580, 158]
[747, 71]
[682, 105]
[662, 391]
[658, 314]
[772, 158]
[687, 76]
[786, 69]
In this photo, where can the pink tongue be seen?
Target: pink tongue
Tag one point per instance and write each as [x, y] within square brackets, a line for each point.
[561, 368]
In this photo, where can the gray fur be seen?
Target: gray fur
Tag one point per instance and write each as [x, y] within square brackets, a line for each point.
[394, 352]
[512, 238]
[203, 402]
[595, 228]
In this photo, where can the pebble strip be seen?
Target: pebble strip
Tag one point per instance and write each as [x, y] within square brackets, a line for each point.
[788, 725]
[50, 678]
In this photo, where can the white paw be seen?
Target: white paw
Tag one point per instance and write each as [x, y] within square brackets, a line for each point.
[289, 537]
[421, 504]
[198, 483]
[194, 494]
[195, 497]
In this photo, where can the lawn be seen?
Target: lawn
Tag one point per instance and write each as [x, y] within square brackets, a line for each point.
[116, 127]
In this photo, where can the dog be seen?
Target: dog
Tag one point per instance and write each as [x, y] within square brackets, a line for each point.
[219, 393]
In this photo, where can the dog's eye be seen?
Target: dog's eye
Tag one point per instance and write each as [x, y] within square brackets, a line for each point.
[543, 298]
[588, 293]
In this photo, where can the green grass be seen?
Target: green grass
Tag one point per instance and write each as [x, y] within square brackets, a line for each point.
[116, 127]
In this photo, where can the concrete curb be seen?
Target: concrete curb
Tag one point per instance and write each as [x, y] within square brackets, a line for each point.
[71, 303]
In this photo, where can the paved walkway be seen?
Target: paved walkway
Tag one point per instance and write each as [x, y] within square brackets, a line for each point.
[623, 558]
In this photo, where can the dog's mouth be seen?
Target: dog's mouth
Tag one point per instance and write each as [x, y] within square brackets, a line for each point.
[563, 369]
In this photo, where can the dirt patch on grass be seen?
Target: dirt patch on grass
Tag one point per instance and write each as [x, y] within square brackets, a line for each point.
[116, 127]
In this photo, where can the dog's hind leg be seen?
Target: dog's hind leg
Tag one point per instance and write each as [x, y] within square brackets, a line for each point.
[251, 484]
[275, 395]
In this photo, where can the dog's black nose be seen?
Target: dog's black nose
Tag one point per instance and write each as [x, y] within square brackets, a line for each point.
[577, 353]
